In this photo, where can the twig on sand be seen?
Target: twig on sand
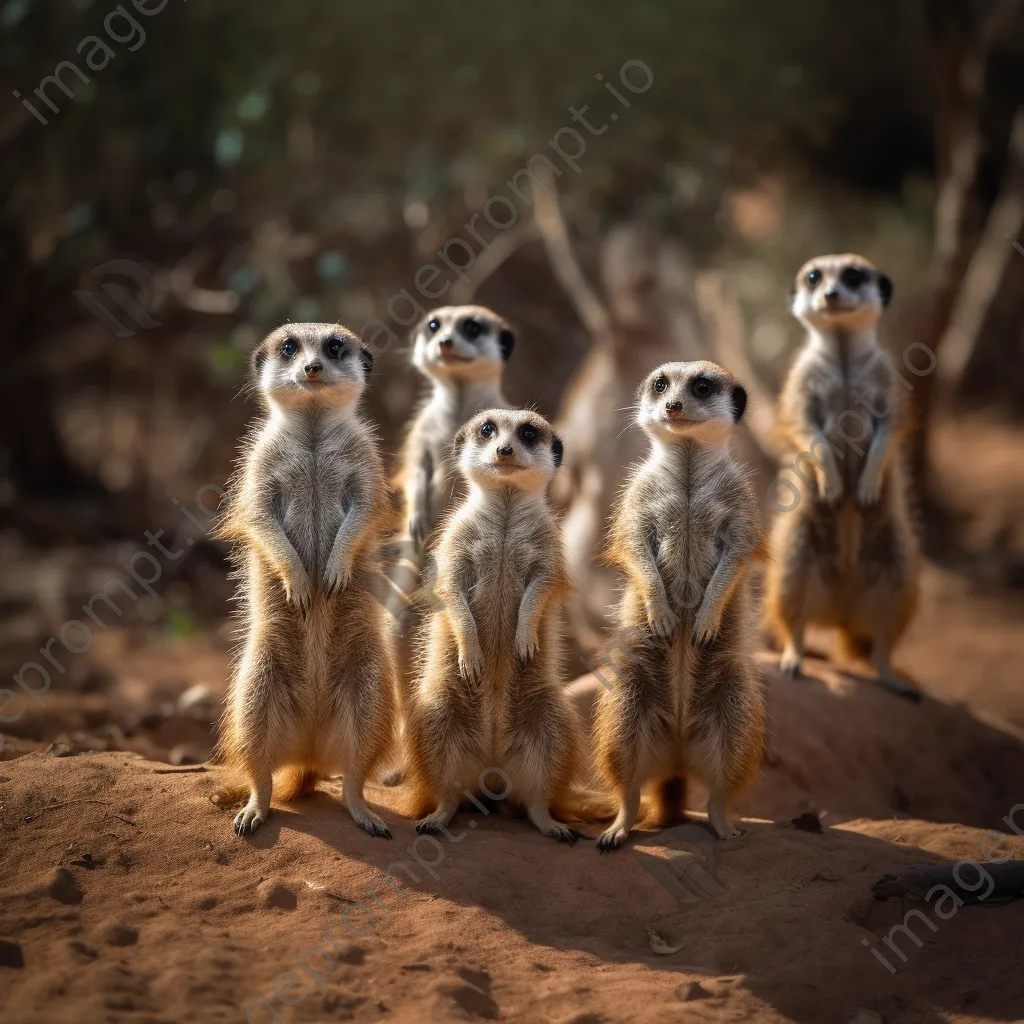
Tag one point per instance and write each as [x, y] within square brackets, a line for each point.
[1007, 882]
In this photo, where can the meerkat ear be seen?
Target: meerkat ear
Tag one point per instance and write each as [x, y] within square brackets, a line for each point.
[366, 358]
[459, 441]
[885, 288]
[257, 358]
[739, 402]
[557, 448]
[507, 341]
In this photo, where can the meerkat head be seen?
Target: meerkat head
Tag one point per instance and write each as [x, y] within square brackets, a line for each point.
[840, 292]
[301, 366]
[462, 343]
[508, 447]
[698, 401]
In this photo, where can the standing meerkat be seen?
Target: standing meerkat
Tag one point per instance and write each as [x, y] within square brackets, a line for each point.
[845, 553]
[687, 697]
[490, 694]
[313, 693]
[462, 350]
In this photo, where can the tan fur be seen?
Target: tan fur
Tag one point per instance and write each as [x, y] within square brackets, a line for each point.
[490, 694]
[683, 695]
[313, 693]
[846, 556]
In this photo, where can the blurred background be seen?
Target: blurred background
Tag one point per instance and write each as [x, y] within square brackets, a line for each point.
[179, 178]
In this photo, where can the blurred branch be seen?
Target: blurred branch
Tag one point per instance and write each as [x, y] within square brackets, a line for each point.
[987, 267]
[555, 236]
[491, 260]
[723, 312]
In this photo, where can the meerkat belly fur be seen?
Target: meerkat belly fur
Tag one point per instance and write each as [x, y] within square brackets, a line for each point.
[313, 693]
[846, 555]
[490, 693]
[685, 697]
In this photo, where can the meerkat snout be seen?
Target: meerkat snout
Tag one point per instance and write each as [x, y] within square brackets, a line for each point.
[699, 400]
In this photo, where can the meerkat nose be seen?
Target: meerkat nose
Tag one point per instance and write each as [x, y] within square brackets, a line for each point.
[314, 369]
[832, 295]
[674, 406]
[446, 343]
[506, 449]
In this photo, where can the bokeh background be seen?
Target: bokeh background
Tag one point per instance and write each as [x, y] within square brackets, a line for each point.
[260, 162]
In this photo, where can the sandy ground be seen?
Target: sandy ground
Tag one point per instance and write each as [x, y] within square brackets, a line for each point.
[126, 897]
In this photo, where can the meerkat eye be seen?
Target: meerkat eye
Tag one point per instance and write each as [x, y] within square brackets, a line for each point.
[472, 329]
[528, 433]
[488, 430]
[333, 348]
[434, 325]
[289, 348]
[853, 278]
[700, 388]
[814, 278]
[661, 385]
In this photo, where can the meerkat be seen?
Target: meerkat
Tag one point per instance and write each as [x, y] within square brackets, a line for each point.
[490, 693]
[686, 697]
[845, 554]
[462, 350]
[313, 693]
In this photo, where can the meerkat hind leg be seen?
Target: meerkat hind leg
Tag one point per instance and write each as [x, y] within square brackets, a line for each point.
[718, 818]
[539, 813]
[255, 812]
[890, 678]
[352, 795]
[439, 819]
[792, 654]
[618, 832]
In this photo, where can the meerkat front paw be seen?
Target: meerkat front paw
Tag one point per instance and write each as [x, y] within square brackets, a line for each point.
[662, 619]
[471, 662]
[299, 591]
[830, 485]
[869, 489]
[336, 578]
[706, 626]
[527, 644]
[418, 530]
[247, 821]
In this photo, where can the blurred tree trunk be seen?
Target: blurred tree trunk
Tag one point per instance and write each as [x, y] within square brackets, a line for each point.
[973, 121]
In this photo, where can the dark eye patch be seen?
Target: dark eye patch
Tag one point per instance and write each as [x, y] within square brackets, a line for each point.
[488, 430]
[528, 433]
[434, 325]
[854, 277]
[702, 387]
[661, 385]
[814, 278]
[332, 347]
[289, 347]
[472, 329]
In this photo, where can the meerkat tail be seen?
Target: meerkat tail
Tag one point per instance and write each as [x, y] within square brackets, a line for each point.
[584, 805]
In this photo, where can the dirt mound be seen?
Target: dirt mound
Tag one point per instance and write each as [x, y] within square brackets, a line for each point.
[843, 746]
[127, 898]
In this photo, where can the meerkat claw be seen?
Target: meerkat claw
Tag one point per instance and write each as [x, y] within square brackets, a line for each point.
[246, 822]
[612, 840]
